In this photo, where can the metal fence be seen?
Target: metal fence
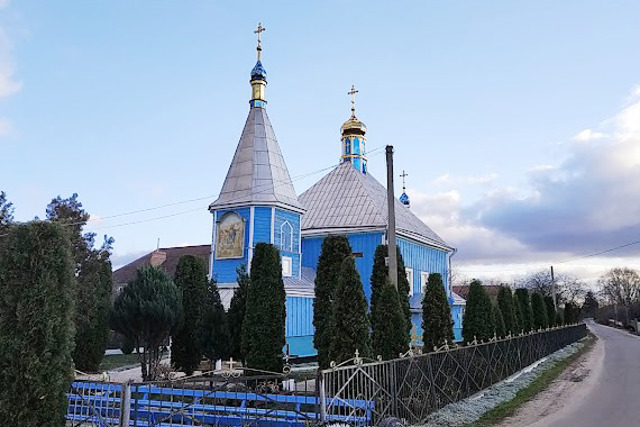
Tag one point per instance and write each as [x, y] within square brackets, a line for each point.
[411, 388]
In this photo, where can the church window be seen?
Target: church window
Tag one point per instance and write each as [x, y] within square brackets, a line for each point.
[364, 167]
[287, 266]
[347, 146]
[409, 272]
[286, 237]
[356, 146]
[424, 278]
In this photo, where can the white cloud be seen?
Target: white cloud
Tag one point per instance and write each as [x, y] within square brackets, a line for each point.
[466, 179]
[589, 135]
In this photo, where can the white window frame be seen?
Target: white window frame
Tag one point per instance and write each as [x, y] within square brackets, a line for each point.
[409, 272]
[282, 247]
[424, 278]
[287, 266]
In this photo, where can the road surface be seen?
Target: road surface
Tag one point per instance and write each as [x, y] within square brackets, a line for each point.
[610, 395]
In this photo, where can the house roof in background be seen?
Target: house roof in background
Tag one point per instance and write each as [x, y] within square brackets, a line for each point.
[492, 290]
[128, 272]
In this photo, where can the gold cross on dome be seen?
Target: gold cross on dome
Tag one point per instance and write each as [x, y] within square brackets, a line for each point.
[353, 92]
[258, 31]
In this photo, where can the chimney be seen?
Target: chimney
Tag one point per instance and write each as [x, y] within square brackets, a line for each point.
[157, 258]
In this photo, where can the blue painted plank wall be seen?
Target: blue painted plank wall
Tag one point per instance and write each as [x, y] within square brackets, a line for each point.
[299, 326]
[224, 271]
[261, 225]
[366, 243]
[422, 258]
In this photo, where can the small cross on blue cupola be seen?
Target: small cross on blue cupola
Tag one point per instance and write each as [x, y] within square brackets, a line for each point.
[353, 139]
[257, 202]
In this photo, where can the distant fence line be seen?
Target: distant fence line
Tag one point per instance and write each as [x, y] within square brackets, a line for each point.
[409, 388]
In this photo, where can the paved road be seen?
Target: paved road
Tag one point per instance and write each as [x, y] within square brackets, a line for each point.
[612, 397]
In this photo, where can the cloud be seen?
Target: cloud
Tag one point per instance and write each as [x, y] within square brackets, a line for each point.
[589, 135]
[584, 204]
[469, 179]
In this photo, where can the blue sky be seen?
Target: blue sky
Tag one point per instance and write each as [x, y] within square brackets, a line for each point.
[517, 122]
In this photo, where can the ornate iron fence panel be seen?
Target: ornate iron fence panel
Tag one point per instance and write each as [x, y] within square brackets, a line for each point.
[413, 387]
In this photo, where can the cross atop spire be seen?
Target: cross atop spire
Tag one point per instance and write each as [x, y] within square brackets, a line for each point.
[353, 92]
[403, 175]
[258, 31]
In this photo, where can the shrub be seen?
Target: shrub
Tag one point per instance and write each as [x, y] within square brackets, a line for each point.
[437, 324]
[349, 321]
[127, 345]
[499, 322]
[213, 329]
[478, 321]
[191, 279]
[522, 297]
[379, 276]
[571, 313]
[539, 309]
[388, 335]
[236, 313]
[263, 328]
[36, 324]
[333, 252]
[147, 311]
[551, 310]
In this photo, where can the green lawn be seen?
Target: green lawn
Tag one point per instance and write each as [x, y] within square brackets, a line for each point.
[117, 360]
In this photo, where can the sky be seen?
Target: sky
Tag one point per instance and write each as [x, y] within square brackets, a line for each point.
[518, 123]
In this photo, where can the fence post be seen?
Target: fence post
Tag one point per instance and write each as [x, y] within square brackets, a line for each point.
[323, 398]
[125, 404]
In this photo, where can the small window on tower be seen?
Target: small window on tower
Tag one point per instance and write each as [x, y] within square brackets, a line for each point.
[287, 266]
[286, 237]
[347, 146]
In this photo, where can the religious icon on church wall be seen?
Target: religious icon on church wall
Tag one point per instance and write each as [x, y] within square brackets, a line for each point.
[230, 242]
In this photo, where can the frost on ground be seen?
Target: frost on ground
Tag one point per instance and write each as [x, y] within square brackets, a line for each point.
[471, 409]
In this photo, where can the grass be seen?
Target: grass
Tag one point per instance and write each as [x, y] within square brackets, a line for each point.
[507, 409]
[113, 361]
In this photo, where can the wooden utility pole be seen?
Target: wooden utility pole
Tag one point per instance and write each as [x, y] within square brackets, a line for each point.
[553, 289]
[391, 223]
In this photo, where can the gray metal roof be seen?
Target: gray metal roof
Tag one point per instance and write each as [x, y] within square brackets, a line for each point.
[258, 173]
[347, 198]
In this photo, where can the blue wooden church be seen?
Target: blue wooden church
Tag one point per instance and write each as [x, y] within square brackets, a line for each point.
[258, 203]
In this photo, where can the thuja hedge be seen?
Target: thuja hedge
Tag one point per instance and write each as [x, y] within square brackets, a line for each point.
[36, 325]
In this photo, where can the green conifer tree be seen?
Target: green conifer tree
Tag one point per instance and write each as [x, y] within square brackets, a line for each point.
[213, 329]
[507, 311]
[263, 335]
[498, 321]
[147, 311]
[517, 317]
[551, 310]
[36, 324]
[560, 317]
[350, 320]
[379, 278]
[437, 324]
[191, 279]
[523, 299]
[539, 309]
[333, 253]
[478, 321]
[387, 337]
[237, 311]
[570, 313]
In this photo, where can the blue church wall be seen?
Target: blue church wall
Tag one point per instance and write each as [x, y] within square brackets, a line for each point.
[422, 258]
[261, 225]
[224, 270]
[299, 326]
[361, 243]
[293, 249]
[456, 313]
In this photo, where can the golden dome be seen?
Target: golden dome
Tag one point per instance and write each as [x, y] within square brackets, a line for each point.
[353, 125]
